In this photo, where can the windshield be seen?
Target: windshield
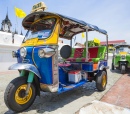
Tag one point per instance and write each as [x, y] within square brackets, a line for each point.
[41, 29]
[123, 49]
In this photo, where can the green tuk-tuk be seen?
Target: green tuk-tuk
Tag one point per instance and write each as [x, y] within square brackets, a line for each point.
[121, 57]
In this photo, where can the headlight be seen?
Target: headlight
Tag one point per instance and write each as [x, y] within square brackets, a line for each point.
[23, 52]
[46, 52]
[41, 53]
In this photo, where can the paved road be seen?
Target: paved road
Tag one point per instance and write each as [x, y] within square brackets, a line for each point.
[66, 103]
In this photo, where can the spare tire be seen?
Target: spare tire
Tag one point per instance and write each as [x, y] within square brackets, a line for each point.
[65, 51]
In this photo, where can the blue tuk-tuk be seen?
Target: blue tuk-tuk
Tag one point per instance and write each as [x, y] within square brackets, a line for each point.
[39, 66]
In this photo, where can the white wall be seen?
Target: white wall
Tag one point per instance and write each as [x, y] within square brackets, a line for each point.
[6, 38]
[6, 58]
[6, 48]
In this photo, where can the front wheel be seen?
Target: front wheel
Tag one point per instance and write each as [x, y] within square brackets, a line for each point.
[14, 96]
[101, 80]
[123, 69]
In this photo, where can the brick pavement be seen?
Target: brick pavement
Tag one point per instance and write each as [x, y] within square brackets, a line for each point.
[119, 94]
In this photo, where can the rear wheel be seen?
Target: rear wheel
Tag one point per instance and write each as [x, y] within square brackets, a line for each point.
[15, 98]
[101, 80]
[123, 69]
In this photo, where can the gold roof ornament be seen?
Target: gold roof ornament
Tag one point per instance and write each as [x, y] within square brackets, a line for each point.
[39, 7]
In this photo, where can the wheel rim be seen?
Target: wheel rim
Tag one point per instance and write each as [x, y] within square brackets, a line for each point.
[104, 80]
[20, 97]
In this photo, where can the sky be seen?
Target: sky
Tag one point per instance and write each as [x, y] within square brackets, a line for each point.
[110, 15]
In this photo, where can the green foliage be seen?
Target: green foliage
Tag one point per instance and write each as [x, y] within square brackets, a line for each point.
[91, 43]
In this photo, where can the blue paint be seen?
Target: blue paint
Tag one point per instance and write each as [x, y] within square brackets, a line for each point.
[63, 89]
[103, 63]
[28, 58]
[19, 58]
[88, 66]
[44, 66]
[63, 76]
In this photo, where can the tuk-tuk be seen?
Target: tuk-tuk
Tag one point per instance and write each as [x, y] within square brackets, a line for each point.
[38, 64]
[121, 57]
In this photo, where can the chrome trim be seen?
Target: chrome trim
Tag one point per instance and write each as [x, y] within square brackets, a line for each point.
[55, 73]
[49, 88]
[25, 66]
[25, 52]
[48, 52]
[33, 57]
[53, 46]
[102, 67]
[39, 52]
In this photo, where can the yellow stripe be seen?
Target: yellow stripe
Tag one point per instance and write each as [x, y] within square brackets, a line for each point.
[123, 53]
[53, 39]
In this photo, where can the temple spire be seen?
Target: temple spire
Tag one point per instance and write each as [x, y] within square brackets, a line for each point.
[7, 14]
[6, 24]
[21, 33]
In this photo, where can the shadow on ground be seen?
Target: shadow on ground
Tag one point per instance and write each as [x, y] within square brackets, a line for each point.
[119, 71]
[50, 102]
[115, 71]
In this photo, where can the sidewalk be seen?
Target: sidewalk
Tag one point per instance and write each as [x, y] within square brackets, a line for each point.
[98, 107]
[115, 101]
[119, 94]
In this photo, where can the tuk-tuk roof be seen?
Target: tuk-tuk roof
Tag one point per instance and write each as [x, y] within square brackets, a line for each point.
[74, 27]
[122, 45]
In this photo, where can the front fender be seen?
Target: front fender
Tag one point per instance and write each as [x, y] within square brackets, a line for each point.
[25, 66]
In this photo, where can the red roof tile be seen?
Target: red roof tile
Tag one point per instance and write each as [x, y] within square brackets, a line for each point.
[113, 42]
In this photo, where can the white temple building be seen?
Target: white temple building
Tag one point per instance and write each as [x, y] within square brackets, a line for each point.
[9, 41]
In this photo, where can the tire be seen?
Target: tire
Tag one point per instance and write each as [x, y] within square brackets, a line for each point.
[123, 69]
[14, 95]
[101, 80]
[112, 66]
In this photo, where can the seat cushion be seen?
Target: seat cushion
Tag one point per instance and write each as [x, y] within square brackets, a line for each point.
[78, 52]
[101, 52]
[72, 52]
[93, 51]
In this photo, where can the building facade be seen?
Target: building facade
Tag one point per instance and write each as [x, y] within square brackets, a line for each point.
[9, 41]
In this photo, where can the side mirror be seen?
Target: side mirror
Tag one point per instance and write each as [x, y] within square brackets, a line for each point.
[14, 54]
